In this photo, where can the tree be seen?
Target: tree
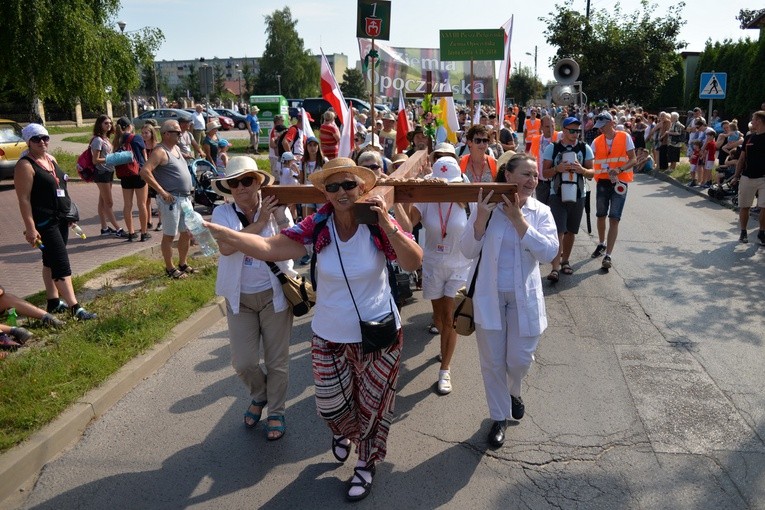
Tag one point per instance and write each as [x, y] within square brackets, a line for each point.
[746, 16]
[68, 50]
[523, 85]
[285, 56]
[249, 77]
[353, 83]
[219, 80]
[623, 57]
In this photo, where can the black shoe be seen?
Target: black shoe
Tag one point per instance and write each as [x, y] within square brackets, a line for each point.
[517, 409]
[120, 233]
[83, 315]
[129, 238]
[61, 307]
[761, 237]
[149, 225]
[743, 238]
[607, 262]
[497, 434]
[145, 237]
[50, 321]
[599, 250]
[108, 231]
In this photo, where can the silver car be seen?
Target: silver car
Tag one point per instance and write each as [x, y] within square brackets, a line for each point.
[160, 115]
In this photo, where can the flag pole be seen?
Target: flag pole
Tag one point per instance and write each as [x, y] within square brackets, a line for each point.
[372, 82]
[472, 85]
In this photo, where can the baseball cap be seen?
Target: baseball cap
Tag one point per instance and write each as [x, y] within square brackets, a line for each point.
[570, 120]
[602, 119]
[287, 156]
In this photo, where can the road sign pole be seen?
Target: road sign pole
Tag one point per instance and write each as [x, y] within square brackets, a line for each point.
[709, 114]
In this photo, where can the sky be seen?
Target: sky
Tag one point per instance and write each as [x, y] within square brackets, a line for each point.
[236, 28]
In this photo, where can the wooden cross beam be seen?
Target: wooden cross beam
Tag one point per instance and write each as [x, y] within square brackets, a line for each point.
[397, 188]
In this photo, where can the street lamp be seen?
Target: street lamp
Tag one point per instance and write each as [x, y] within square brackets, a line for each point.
[239, 71]
[122, 26]
[279, 81]
[535, 60]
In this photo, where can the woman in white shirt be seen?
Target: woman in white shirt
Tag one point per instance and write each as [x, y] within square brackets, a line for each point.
[355, 390]
[508, 301]
[255, 304]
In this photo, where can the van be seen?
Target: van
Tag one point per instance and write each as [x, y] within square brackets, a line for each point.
[316, 106]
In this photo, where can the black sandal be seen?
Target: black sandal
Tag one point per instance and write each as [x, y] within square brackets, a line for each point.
[566, 268]
[187, 268]
[367, 486]
[344, 447]
[176, 274]
[554, 276]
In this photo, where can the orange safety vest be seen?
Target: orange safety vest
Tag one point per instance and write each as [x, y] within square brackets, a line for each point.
[532, 127]
[492, 164]
[536, 145]
[615, 158]
[514, 122]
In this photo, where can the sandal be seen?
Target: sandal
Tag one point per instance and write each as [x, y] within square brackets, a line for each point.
[566, 268]
[279, 429]
[254, 417]
[187, 268]
[176, 274]
[554, 276]
[344, 448]
[366, 486]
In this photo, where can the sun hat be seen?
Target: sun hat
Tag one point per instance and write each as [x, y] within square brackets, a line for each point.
[213, 124]
[372, 139]
[505, 157]
[447, 168]
[340, 165]
[445, 148]
[238, 166]
[389, 116]
[33, 130]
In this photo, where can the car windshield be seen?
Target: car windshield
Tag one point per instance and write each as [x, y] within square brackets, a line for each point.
[10, 133]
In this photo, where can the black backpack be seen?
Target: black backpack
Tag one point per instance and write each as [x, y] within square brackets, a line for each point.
[280, 141]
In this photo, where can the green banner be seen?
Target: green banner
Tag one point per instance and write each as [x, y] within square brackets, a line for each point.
[461, 45]
[373, 19]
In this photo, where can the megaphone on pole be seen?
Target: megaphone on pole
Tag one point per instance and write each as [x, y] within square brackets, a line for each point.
[566, 71]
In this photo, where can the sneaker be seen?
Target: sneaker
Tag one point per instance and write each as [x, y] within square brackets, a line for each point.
[158, 227]
[761, 237]
[693, 184]
[120, 233]
[743, 238]
[149, 225]
[129, 238]
[606, 262]
[83, 315]
[52, 322]
[432, 329]
[61, 307]
[444, 383]
[145, 237]
[517, 409]
[599, 250]
[108, 231]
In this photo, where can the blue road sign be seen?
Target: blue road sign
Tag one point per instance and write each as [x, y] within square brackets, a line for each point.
[713, 85]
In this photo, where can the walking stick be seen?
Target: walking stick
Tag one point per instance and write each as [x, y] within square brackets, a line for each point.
[587, 211]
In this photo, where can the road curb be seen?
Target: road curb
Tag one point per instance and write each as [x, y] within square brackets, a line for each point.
[25, 461]
[696, 191]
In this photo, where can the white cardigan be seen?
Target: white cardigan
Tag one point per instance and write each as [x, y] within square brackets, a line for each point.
[539, 244]
[229, 280]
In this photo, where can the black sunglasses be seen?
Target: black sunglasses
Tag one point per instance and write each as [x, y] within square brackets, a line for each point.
[244, 181]
[334, 187]
[480, 140]
[38, 139]
[573, 131]
[372, 167]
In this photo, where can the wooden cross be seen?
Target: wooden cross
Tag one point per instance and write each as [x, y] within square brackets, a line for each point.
[397, 191]
[429, 92]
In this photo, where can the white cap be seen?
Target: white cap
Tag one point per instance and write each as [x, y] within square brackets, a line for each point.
[288, 156]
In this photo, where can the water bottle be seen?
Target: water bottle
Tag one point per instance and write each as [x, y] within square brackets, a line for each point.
[77, 230]
[12, 317]
[193, 220]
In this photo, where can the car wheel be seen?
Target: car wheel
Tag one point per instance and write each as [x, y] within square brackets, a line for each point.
[241, 125]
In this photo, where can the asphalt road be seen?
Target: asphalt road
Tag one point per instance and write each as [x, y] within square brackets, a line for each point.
[646, 393]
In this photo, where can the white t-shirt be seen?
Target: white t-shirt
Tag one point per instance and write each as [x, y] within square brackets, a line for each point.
[286, 176]
[335, 317]
[505, 277]
[444, 251]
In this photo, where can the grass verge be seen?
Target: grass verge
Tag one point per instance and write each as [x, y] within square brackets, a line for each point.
[67, 162]
[137, 307]
[79, 139]
[59, 130]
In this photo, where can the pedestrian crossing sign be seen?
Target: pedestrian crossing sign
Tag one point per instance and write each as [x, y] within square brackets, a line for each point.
[713, 85]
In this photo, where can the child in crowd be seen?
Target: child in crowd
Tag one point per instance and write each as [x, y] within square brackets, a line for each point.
[693, 159]
[289, 175]
[221, 162]
[734, 137]
[709, 156]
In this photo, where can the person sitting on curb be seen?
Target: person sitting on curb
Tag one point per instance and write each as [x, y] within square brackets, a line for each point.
[27, 309]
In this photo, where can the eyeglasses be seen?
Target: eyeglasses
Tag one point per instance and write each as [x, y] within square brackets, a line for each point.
[480, 141]
[38, 139]
[334, 187]
[244, 181]
[372, 167]
[174, 132]
[573, 131]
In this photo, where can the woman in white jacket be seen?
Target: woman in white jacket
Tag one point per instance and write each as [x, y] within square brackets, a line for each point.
[508, 303]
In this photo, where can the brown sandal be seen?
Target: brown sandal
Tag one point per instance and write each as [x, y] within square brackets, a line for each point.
[554, 276]
[176, 274]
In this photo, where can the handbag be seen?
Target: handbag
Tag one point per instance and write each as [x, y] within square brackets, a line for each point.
[464, 319]
[73, 215]
[375, 335]
[298, 291]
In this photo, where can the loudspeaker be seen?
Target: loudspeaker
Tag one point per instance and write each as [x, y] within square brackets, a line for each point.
[563, 94]
[566, 71]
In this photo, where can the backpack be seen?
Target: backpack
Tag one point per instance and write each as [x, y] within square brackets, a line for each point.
[130, 169]
[557, 180]
[86, 169]
[279, 141]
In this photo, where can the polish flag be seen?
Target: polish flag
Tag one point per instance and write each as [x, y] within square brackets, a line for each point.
[504, 72]
[402, 125]
[331, 92]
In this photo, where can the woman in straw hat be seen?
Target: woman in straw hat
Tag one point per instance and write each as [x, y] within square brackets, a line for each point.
[355, 390]
[255, 302]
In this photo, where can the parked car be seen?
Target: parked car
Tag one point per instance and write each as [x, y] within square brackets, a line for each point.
[11, 147]
[209, 113]
[160, 115]
[316, 106]
[240, 121]
[294, 106]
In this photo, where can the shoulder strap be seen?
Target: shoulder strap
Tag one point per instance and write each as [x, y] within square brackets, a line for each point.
[471, 289]
[317, 229]
[273, 267]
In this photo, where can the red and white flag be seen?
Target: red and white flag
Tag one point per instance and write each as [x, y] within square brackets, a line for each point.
[331, 92]
[402, 125]
[504, 72]
[307, 129]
